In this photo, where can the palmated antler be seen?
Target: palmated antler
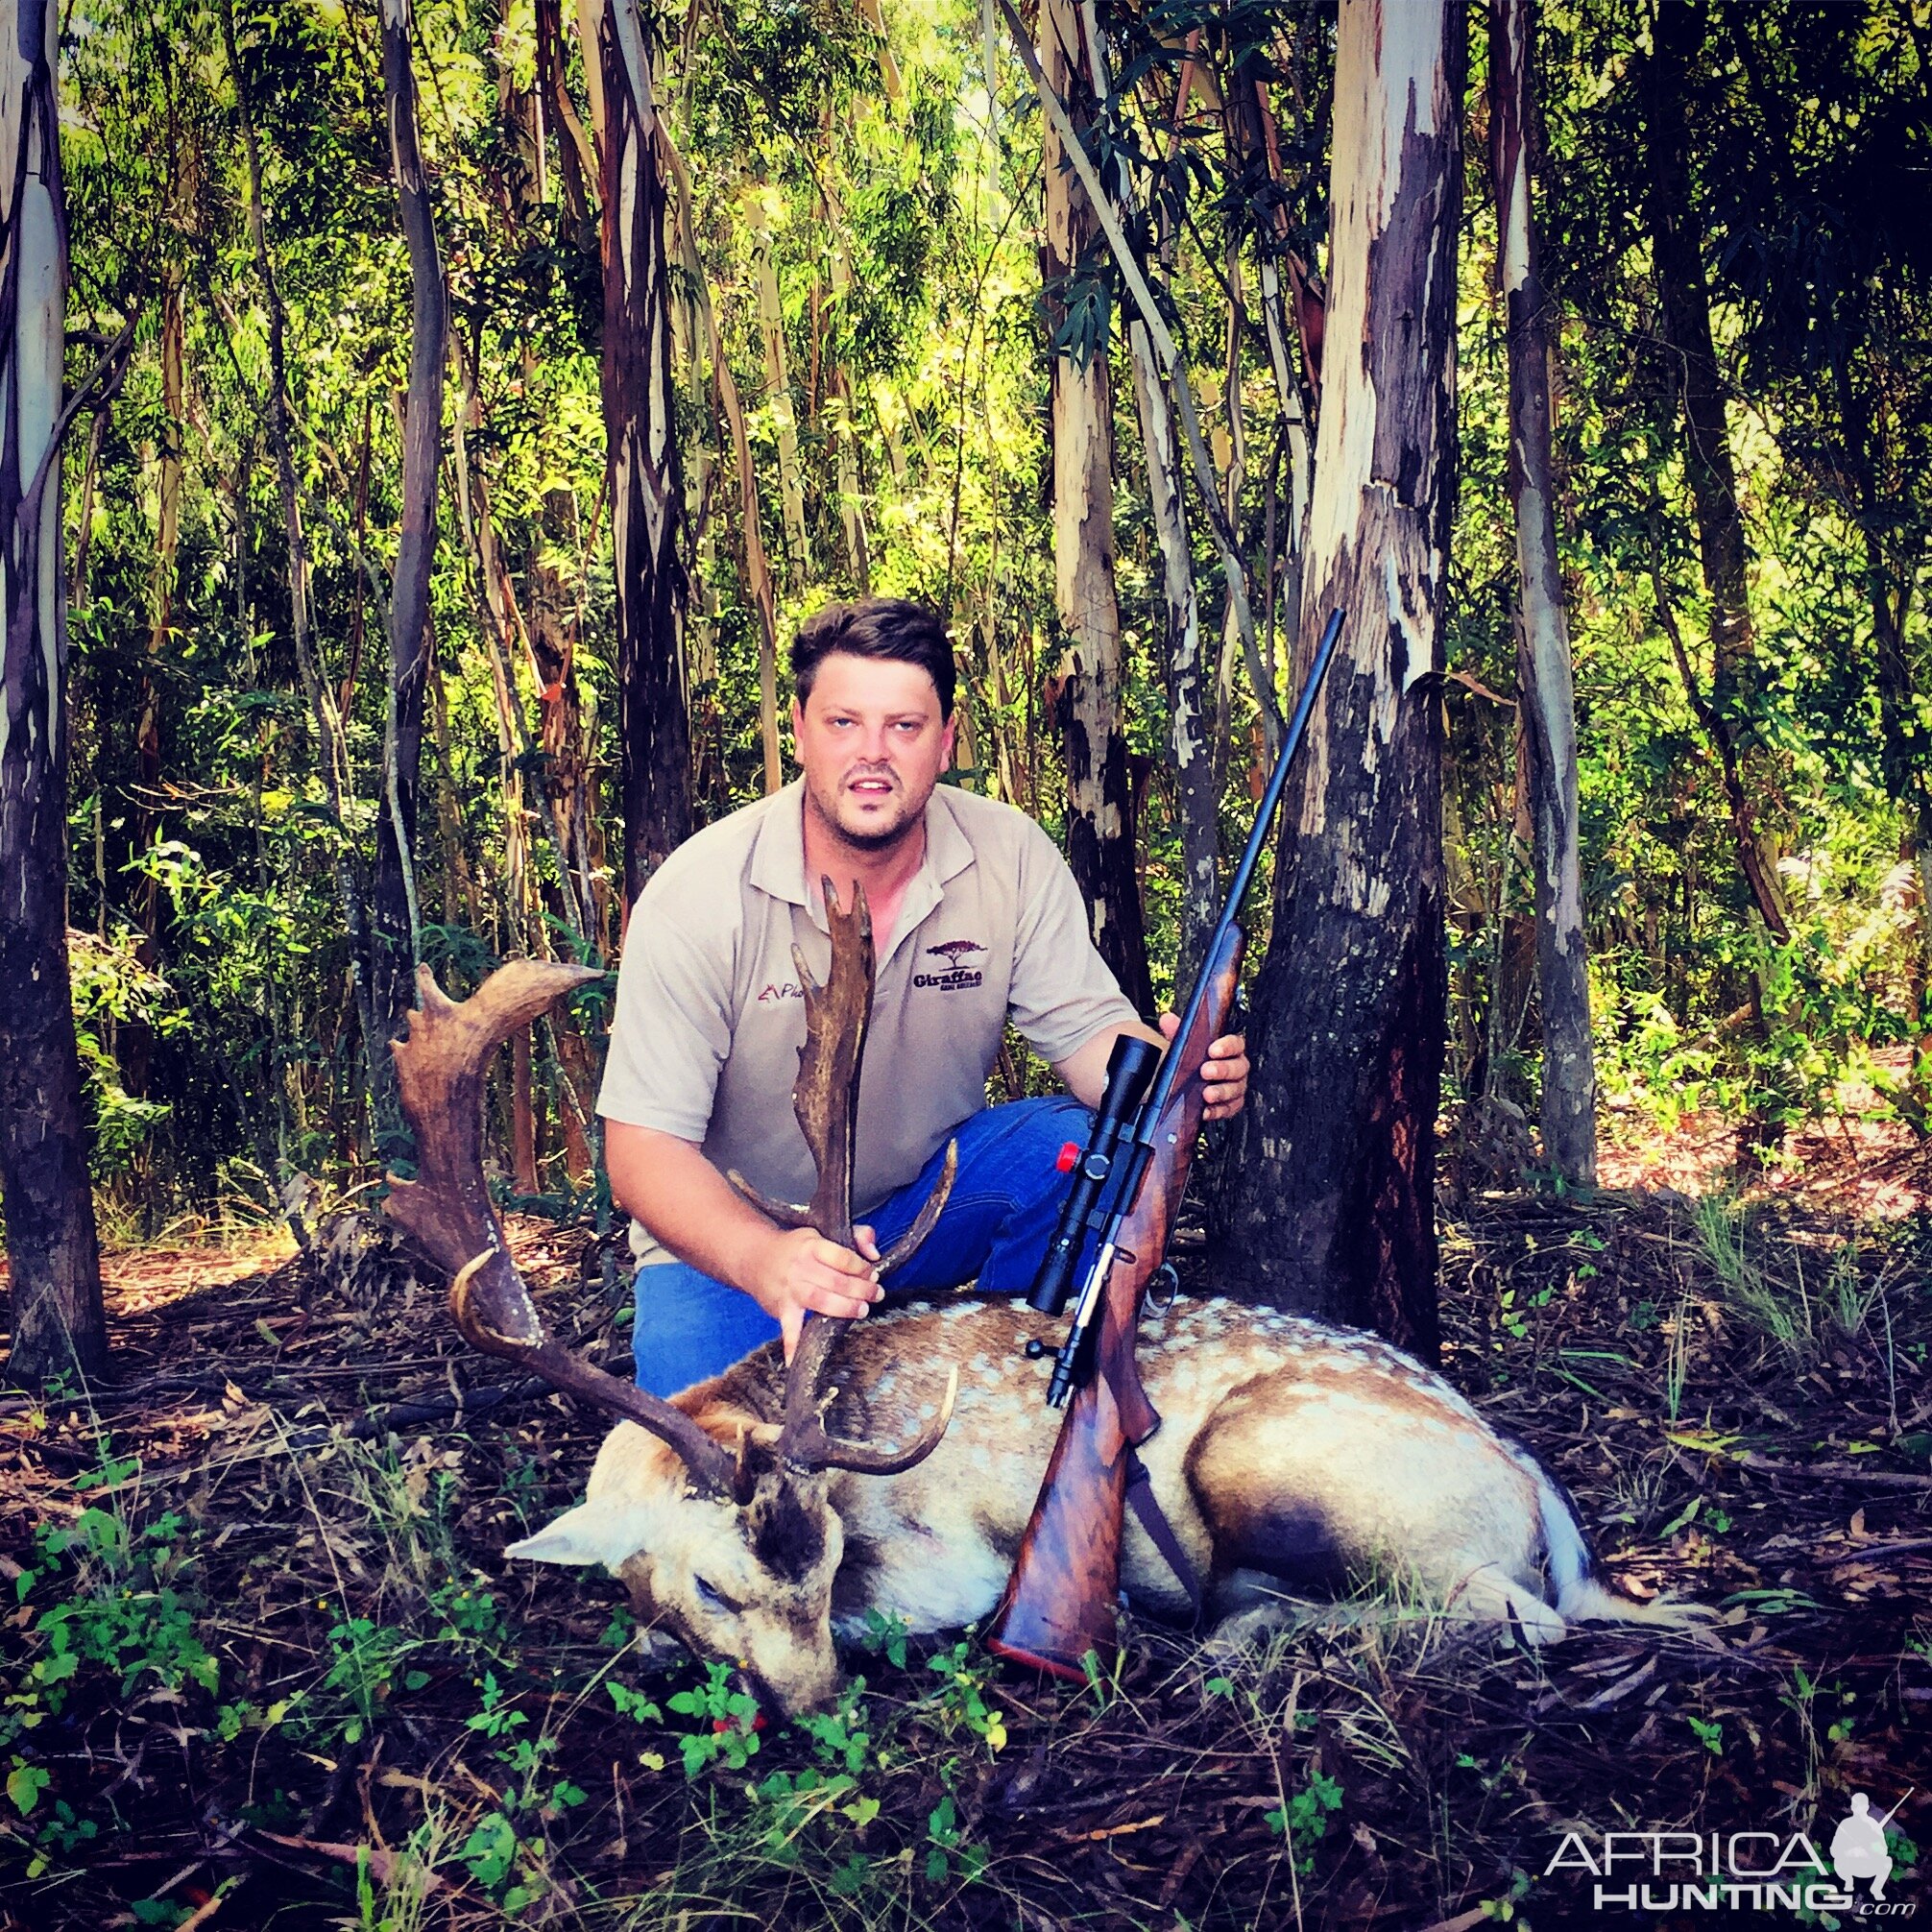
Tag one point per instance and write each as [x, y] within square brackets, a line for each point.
[446, 1210]
[824, 1097]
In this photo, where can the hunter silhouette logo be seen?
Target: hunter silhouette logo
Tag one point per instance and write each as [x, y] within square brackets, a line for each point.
[956, 978]
[1858, 1848]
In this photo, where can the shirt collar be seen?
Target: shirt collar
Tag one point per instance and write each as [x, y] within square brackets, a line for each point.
[777, 858]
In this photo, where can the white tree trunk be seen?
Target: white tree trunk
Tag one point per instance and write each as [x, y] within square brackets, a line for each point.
[778, 387]
[58, 1317]
[1331, 1193]
[1100, 833]
[1543, 636]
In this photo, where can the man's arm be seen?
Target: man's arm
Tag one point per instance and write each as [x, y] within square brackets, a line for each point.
[689, 1206]
[1084, 1070]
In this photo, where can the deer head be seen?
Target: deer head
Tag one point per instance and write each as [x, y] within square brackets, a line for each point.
[717, 1519]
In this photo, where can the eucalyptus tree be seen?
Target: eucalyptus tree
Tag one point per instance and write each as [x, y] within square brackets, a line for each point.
[1099, 804]
[1683, 307]
[1827, 267]
[646, 490]
[397, 924]
[58, 1320]
[1544, 673]
[1330, 1198]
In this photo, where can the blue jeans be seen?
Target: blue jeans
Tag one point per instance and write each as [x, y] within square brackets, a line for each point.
[996, 1226]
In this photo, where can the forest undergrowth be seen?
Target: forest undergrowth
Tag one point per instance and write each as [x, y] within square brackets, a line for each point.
[263, 1663]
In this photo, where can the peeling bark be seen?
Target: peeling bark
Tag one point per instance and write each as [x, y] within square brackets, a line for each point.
[1327, 1201]
[640, 430]
[1099, 809]
[1252, 132]
[1544, 671]
[58, 1319]
[757, 568]
[326, 720]
[576, 162]
[845, 439]
[1191, 731]
[729, 407]
[137, 1040]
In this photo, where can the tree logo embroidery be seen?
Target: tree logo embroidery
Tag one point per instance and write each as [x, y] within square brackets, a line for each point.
[956, 978]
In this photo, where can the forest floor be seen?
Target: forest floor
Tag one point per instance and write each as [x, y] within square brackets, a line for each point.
[268, 1667]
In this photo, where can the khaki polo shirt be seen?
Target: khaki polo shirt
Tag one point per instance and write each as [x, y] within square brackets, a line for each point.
[711, 1016]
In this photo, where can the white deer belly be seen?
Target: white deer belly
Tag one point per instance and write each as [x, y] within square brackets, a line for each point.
[1373, 1457]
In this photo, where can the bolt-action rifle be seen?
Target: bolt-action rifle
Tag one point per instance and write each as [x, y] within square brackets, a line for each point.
[1061, 1598]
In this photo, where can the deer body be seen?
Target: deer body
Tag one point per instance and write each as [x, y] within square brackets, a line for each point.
[893, 1466]
[1290, 1451]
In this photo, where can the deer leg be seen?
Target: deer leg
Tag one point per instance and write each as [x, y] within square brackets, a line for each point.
[1486, 1595]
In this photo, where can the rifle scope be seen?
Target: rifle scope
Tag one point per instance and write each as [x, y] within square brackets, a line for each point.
[1131, 1161]
[1129, 1068]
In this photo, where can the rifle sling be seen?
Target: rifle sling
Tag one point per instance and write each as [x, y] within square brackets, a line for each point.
[1160, 1532]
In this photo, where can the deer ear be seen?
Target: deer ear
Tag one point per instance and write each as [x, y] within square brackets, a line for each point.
[592, 1532]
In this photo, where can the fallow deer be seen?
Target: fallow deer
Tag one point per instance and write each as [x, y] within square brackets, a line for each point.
[754, 1517]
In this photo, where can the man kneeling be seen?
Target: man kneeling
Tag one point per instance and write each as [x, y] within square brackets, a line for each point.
[975, 918]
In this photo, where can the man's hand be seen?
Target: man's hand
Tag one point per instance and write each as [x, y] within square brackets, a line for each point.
[1224, 1077]
[804, 1273]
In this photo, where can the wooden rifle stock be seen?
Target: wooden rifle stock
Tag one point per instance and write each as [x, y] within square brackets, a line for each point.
[1060, 1600]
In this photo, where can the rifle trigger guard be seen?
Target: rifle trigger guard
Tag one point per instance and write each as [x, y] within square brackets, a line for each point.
[1164, 1287]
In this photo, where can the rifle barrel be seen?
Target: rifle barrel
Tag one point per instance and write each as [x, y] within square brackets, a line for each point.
[1893, 1812]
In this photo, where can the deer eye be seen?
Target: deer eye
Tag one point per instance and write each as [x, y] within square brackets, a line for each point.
[714, 1599]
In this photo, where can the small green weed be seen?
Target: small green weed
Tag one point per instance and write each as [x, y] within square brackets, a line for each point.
[731, 1718]
[961, 1702]
[366, 1665]
[1709, 1734]
[1304, 1820]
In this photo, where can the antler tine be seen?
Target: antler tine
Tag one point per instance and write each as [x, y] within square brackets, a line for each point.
[807, 1446]
[825, 1097]
[448, 1212]
[825, 1101]
[900, 1251]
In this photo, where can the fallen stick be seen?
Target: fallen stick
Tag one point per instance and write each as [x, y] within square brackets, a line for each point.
[1831, 1472]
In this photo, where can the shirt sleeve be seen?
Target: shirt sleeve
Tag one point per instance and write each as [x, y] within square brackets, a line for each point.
[672, 1027]
[1063, 994]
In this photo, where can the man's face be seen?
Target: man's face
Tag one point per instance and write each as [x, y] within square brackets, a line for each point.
[872, 745]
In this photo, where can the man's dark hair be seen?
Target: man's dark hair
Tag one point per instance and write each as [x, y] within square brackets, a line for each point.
[876, 627]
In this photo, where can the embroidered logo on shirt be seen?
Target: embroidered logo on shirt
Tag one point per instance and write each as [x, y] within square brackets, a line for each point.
[788, 990]
[956, 978]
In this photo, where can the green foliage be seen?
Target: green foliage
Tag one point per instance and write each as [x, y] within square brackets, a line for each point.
[896, 226]
[965, 1676]
[111, 989]
[1709, 1732]
[728, 1718]
[122, 1604]
[1305, 1818]
[365, 1668]
[109, 1611]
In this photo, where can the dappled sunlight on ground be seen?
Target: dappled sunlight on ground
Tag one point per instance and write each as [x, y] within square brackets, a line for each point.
[1868, 1169]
